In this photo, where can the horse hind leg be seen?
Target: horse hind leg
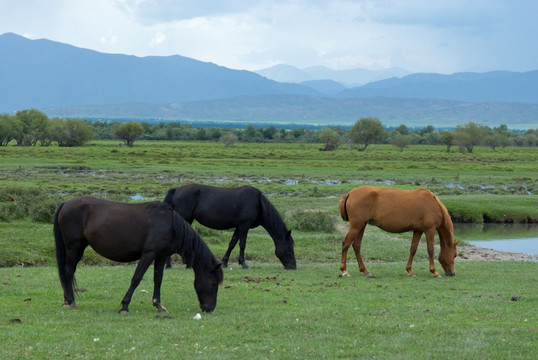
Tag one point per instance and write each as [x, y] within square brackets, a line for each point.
[353, 237]
[242, 245]
[158, 269]
[412, 251]
[357, 248]
[73, 257]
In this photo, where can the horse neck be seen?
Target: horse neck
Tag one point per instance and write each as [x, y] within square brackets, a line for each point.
[272, 222]
[446, 236]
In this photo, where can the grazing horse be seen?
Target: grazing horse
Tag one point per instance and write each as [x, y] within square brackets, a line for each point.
[128, 232]
[241, 208]
[398, 211]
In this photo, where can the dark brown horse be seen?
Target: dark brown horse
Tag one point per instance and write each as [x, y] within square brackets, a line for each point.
[127, 232]
[398, 211]
[241, 208]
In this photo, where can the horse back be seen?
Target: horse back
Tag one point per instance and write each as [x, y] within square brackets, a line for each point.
[117, 231]
[218, 207]
[395, 210]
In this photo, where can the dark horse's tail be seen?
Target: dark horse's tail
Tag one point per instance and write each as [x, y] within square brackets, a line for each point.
[342, 207]
[60, 248]
[169, 196]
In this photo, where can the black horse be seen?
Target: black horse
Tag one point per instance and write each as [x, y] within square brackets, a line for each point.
[241, 208]
[128, 232]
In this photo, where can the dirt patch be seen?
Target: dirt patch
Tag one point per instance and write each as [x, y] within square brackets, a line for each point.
[469, 252]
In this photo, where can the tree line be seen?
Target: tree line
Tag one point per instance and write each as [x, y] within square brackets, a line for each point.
[32, 127]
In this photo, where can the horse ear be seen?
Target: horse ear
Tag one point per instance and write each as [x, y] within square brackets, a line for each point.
[289, 233]
[457, 242]
[216, 267]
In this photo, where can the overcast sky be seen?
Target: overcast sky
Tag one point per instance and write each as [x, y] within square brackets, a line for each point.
[443, 36]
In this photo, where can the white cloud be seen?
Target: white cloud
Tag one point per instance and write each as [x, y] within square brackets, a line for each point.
[419, 35]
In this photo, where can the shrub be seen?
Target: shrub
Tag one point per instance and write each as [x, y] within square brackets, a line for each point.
[312, 221]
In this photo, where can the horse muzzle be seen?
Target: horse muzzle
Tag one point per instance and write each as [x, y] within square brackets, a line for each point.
[450, 273]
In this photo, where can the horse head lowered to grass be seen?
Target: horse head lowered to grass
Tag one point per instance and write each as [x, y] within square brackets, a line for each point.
[241, 208]
[398, 211]
[149, 232]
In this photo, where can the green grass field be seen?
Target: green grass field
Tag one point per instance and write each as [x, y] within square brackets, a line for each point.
[486, 311]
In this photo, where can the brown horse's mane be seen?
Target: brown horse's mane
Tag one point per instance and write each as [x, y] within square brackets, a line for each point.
[447, 228]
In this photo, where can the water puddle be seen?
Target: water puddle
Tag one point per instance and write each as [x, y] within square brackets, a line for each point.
[518, 238]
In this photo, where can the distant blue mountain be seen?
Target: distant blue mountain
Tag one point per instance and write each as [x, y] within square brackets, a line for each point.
[64, 80]
[42, 73]
[504, 86]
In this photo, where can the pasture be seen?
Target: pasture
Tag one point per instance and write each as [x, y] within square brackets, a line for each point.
[486, 311]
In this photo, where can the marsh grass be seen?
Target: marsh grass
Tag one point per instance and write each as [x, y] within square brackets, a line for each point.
[486, 311]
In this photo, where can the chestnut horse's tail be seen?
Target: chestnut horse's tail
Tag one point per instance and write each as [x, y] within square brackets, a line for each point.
[342, 207]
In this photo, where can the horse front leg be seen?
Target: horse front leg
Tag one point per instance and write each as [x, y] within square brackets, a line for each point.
[231, 246]
[412, 251]
[430, 234]
[141, 269]
[158, 270]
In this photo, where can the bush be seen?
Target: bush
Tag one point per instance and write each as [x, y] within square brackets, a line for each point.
[12, 211]
[312, 221]
[18, 203]
[43, 210]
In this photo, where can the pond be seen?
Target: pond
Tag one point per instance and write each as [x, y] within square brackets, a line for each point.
[519, 238]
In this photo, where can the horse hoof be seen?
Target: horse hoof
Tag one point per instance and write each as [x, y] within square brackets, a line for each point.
[161, 309]
[344, 274]
[245, 266]
[369, 275]
[224, 264]
[124, 312]
[437, 276]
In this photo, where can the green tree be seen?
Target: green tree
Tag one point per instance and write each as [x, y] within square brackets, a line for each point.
[468, 136]
[330, 137]
[447, 137]
[76, 133]
[34, 124]
[229, 139]
[10, 126]
[401, 141]
[367, 131]
[128, 132]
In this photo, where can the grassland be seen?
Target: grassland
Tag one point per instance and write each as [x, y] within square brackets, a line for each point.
[486, 311]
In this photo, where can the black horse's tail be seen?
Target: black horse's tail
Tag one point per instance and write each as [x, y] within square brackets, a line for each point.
[169, 196]
[59, 247]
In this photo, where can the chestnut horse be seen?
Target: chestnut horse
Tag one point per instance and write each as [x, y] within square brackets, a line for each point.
[398, 211]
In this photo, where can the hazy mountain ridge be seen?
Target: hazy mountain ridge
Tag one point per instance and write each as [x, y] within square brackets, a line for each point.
[43, 73]
[299, 109]
[64, 80]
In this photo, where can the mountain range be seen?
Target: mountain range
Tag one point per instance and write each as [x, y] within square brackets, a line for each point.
[63, 80]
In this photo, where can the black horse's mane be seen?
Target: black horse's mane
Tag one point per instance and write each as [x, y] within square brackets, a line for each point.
[272, 221]
[191, 247]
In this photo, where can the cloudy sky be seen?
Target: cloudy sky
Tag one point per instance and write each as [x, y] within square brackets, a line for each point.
[443, 36]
